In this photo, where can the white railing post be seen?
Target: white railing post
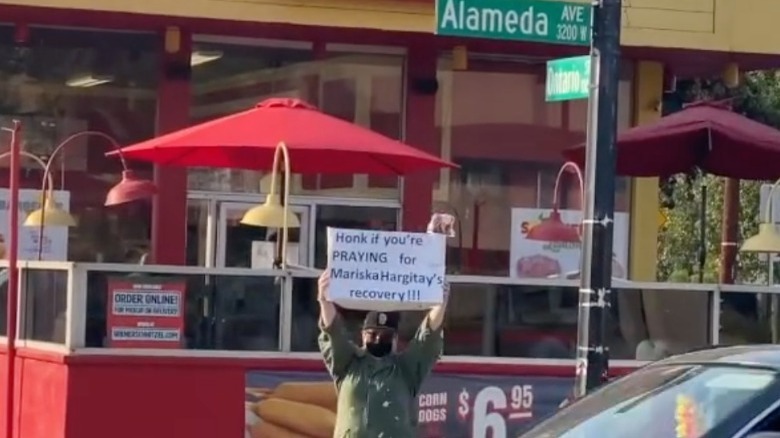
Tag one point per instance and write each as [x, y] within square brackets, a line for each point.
[76, 328]
[285, 312]
[715, 316]
[21, 302]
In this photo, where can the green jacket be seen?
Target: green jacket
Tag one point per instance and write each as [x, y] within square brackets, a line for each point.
[377, 396]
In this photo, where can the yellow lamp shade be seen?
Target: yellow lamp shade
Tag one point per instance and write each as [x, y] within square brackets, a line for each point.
[51, 216]
[767, 240]
[270, 215]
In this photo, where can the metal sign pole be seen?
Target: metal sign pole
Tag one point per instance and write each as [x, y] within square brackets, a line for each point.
[599, 208]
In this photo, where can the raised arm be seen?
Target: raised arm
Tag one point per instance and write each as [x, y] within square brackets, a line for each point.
[425, 349]
[436, 314]
[336, 348]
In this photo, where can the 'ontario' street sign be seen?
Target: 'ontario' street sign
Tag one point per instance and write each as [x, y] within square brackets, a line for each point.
[568, 79]
[520, 20]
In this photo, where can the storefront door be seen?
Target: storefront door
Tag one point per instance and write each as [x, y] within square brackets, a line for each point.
[243, 246]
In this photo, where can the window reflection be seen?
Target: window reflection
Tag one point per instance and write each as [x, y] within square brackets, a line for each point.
[365, 89]
[246, 313]
[516, 321]
[749, 318]
[541, 321]
[68, 81]
[656, 323]
[243, 313]
[494, 122]
[221, 312]
[239, 246]
[536, 321]
[45, 304]
[197, 232]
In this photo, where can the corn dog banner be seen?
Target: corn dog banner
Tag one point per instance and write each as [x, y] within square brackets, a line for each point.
[386, 270]
[303, 405]
[145, 313]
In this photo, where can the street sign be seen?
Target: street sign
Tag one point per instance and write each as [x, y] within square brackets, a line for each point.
[568, 79]
[521, 20]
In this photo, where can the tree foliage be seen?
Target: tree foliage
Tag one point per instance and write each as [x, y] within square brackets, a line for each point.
[679, 243]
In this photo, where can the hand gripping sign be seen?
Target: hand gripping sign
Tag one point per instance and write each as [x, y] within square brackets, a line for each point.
[384, 270]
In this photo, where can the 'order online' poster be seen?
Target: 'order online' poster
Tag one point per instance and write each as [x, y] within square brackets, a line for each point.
[145, 313]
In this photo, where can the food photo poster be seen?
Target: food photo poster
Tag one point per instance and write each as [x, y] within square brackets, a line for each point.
[539, 259]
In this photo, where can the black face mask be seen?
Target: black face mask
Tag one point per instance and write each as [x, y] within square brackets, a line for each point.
[379, 348]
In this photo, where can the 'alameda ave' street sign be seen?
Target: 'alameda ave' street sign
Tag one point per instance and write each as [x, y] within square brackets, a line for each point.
[522, 20]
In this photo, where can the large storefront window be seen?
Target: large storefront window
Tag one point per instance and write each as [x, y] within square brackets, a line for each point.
[494, 122]
[535, 321]
[67, 81]
[362, 85]
[366, 89]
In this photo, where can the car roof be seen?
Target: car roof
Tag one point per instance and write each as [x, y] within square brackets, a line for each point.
[761, 355]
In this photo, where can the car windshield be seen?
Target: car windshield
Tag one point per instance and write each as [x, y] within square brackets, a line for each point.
[686, 401]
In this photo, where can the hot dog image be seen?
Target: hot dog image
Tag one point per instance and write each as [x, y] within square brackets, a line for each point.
[291, 410]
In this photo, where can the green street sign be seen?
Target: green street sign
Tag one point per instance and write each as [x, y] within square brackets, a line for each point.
[567, 79]
[521, 20]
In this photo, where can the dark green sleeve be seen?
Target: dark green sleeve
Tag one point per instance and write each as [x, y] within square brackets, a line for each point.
[421, 354]
[337, 350]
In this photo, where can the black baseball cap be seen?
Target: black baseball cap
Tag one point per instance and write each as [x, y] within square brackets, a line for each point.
[381, 320]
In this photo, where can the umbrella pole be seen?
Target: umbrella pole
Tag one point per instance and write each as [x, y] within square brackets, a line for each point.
[279, 258]
[702, 232]
[728, 240]
[599, 209]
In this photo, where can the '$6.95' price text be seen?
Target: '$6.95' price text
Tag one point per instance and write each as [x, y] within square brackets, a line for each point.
[492, 407]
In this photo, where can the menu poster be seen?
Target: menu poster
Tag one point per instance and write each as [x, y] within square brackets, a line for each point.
[55, 239]
[145, 313]
[530, 258]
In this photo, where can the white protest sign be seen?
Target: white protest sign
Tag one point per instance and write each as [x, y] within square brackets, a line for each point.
[385, 270]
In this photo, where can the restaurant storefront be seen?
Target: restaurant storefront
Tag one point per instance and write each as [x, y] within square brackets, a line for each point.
[135, 77]
[59, 81]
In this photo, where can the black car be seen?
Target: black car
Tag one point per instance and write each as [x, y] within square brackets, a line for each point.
[730, 392]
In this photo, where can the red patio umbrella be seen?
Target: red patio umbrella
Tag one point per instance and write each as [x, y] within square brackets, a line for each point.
[707, 135]
[317, 143]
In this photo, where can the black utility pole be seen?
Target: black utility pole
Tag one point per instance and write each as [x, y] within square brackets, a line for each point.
[599, 208]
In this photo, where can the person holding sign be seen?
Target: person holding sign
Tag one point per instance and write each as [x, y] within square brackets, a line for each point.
[377, 386]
